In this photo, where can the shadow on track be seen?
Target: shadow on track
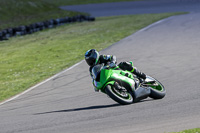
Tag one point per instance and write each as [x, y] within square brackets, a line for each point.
[80, 109]
[89, 108]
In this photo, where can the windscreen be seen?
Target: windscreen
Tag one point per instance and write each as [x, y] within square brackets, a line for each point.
[96, 71]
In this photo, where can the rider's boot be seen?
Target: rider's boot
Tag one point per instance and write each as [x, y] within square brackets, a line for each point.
[129, 66]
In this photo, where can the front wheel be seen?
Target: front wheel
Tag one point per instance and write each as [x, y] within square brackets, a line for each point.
[121, 96]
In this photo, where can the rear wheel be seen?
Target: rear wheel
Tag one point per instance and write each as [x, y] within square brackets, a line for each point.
[121, 96]
[157, 89]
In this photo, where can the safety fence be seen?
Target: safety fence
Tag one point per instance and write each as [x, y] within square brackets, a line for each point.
[39, 26]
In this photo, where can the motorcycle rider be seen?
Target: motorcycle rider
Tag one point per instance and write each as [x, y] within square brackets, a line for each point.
[93, 58]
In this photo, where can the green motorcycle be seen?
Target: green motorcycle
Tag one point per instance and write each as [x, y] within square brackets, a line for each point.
[124, 87]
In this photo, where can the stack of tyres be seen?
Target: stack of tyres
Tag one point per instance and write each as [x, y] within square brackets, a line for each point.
[39, 26]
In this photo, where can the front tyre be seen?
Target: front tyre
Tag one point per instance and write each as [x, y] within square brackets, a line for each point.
[120, 96]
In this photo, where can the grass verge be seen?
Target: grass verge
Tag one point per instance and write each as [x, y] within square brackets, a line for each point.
[78, 2]
[24, 12]
[195, 130]
[15, 13]
[29, 59]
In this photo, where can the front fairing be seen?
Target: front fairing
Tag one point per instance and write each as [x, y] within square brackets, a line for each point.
[126, 79]
[96, 75]
[104, 76]
[96, 71]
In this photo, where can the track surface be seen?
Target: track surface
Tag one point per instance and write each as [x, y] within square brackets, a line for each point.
[138, 7]
[168, 51]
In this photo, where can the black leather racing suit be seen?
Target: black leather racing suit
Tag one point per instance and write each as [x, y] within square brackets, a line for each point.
[108, 59]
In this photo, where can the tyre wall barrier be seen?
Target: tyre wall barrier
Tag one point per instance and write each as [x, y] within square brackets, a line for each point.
[39, 26]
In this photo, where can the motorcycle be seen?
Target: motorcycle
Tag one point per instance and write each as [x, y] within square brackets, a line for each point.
[124, 87]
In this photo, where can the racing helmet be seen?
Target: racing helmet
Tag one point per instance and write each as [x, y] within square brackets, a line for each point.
[92, 57]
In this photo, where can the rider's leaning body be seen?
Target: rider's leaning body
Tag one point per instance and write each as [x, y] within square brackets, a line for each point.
[93, 58]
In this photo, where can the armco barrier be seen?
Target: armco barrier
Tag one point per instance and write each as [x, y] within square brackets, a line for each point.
[39, 26]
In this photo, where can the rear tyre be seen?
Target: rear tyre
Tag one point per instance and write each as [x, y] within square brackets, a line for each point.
[120, 96]
[157, 89]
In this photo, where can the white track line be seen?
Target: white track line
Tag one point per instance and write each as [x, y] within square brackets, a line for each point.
[40, 83]
[143, 29]
[156, 23]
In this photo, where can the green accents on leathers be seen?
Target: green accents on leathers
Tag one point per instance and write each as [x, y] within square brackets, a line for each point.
[132, 66]
[97, 59]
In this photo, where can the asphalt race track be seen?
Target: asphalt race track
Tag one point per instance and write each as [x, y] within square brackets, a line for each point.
[137, 7]
[168, 50]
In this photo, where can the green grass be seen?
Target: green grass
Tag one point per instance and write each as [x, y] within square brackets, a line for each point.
[24, 12]
[77, 2]
[195, 130]
[15, 13]
[29, 59]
